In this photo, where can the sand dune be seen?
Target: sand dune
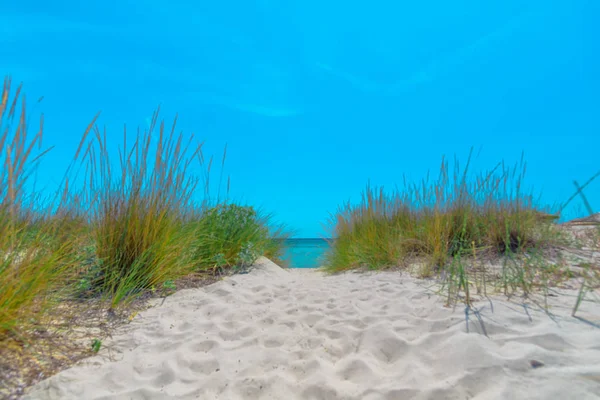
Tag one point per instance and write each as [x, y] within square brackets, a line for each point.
[298, 334]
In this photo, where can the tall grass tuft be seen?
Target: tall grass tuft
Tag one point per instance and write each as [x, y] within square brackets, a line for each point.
[139, 208]
[33, 266]
[146, 224]
[439, 223]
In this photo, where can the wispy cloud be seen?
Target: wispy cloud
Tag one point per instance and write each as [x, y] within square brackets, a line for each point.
[226, 70]
[437, 68]
[465, 54]
[263, 88]
[266, 111]
[264, 107]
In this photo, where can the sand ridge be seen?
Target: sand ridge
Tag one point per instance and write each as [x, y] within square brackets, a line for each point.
[300, 334]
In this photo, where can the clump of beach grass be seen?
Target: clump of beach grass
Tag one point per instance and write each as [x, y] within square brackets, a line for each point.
[138, 208]
[232, 235]
[35, 259]
[39, 241]
[148, 227]
[454, 227]
[129, 225]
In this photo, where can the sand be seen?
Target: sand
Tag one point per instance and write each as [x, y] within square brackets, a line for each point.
[300, 334]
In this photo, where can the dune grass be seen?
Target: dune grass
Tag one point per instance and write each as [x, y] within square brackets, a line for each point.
[135, 220]
[437, 221]
[138, 209]
[231, 235]
[452, 227]
[146, 227]
[32, 267]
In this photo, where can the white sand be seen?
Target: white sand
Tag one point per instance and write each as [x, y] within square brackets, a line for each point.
[278, 334]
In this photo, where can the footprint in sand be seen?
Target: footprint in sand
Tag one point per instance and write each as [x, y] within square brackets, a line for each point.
[204, 367]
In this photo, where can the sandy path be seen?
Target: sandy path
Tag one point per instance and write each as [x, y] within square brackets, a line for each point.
[277, 334]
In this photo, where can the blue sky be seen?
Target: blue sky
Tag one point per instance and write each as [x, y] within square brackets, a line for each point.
[316, 98]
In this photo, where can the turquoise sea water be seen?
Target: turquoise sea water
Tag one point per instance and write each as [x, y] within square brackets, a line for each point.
[305, 253]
